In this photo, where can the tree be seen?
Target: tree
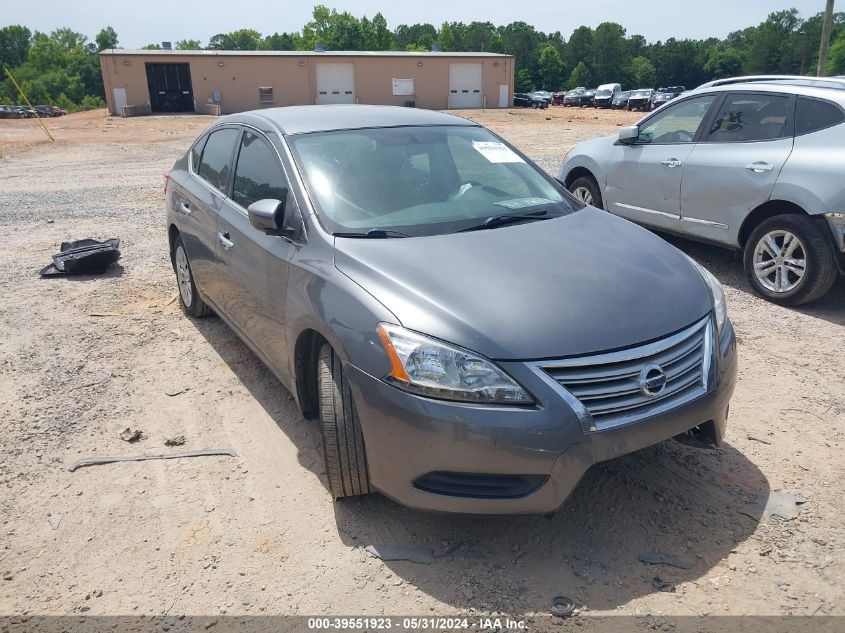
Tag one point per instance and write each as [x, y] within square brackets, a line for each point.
[551, 67]
[836, 61]
[106, 38]
[642, 72]
[15, 41]
[151, 47]
[523, 81]
[581, 76]
[188, 45]
[580, 47]
[609, 51]
[723, 63]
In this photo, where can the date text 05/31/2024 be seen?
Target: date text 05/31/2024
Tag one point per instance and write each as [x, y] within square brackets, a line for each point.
[415, 623]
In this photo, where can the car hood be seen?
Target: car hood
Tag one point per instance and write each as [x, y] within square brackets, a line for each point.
[573, 285]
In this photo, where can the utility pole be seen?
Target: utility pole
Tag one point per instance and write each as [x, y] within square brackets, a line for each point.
[827, 26]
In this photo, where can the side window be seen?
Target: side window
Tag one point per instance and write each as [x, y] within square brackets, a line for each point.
[258, 174]
[214, 165]
[678, 123]
[752, 117]
[813, 115]
[196, 153]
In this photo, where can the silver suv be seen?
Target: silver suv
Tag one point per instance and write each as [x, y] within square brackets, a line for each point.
[758, 166]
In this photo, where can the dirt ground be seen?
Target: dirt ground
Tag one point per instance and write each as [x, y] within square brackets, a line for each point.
[82, 359]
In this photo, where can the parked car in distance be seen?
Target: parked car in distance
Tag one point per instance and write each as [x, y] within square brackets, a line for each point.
[545, 95]
[640, 99]
[750, 166]
[6, 112]
[558, 98]
[400, 271]
[526, 100]
[586, 98]
[49, 111]
[605, 94]
[665, 95]
[573, 97]
[620, 101]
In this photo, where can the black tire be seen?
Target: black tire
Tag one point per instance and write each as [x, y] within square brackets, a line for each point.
[343, 442]
[589, 183]
[194, 307]
[534, 105]
[820, 263]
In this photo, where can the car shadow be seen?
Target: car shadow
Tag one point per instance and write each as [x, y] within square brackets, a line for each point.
[690, 503]
[727, 266]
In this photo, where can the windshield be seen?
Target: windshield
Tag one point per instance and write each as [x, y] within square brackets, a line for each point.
[604, 93]
[641, 93]
[420, 180]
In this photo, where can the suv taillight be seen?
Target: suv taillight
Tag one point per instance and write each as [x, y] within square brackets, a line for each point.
[166, 181]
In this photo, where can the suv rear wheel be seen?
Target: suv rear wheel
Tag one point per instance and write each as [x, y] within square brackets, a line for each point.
[789, 261]
[189, 298]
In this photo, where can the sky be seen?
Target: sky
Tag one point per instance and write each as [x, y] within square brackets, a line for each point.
[154, 21]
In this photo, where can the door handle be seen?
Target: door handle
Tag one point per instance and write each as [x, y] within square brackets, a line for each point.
[185, 208]
[672, 162]
[223, 238]
[760, 166]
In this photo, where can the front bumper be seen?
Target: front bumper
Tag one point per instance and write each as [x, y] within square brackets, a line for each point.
[408, 436]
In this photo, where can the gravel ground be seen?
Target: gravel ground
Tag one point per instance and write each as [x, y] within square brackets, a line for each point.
[82, 359]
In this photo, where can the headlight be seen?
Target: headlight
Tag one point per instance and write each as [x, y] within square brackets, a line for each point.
[719, 307]
[428, 367]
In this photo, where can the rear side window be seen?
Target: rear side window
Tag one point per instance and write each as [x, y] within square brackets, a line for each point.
[813, 115]
[258, 174]
[196, 153]
[752, 117]
[214, 165]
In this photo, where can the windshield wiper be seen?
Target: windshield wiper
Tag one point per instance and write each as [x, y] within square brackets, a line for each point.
[499, 220]
[374, 233]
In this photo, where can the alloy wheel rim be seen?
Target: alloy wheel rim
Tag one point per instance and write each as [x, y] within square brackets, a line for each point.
[780, 261]
[583, 194]
[183, 276]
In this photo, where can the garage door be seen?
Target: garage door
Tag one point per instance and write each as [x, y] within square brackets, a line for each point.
[335, 83]
[464, 85]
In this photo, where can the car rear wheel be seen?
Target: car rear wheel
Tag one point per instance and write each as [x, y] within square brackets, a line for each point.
[586, 189]
[789, 261]
[192, 303]
[343, 442]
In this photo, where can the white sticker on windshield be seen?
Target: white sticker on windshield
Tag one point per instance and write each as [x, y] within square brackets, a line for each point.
[521, 203]
[496, 152]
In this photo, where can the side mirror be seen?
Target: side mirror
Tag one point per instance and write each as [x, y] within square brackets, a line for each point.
[629, 134]
[268, 215]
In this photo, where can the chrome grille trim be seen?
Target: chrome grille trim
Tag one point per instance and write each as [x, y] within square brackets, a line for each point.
[604, 389]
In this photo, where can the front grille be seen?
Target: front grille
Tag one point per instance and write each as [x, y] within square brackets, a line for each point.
[480, 486]
[608, 388]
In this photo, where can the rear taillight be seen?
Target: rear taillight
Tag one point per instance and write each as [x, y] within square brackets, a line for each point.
[166, 181]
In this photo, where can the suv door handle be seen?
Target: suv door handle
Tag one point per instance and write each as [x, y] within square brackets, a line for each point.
[185, 208]
[760, 166]
[672, 162]
[223, 238]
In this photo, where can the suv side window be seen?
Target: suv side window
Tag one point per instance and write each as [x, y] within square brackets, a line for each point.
[752, 117]
[676, 123]
[214, 165]
[812, 115]
[258, 174]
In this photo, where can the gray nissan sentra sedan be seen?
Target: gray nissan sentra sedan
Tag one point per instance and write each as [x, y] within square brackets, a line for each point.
[470, 336]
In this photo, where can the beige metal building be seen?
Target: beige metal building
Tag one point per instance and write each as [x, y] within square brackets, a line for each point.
[222, 82]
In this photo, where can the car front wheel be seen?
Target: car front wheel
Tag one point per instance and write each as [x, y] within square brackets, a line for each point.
[343, 442]
[586, 189]
[789, 261]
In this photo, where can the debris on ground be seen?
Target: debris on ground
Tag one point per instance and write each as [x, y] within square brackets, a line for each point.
[782, 504]
[83, 257]
[54, 521]
[659, 558]
[131, 435]
[661, 585]
[175, 391]
[177, 440]
[94, 461]
[395, 552]
[757, 439]
[562, 606]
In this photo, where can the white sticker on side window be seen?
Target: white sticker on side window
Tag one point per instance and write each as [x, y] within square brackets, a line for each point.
[496, 152]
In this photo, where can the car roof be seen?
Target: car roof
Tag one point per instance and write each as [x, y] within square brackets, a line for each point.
[769, 78]
[777, 86]
[327, 118]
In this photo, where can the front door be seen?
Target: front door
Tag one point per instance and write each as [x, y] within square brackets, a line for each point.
[253, 266]
[644, 177]
[504, 91]
[735, 166]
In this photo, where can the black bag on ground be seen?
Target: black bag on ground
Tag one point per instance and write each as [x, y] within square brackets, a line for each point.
[83, 257]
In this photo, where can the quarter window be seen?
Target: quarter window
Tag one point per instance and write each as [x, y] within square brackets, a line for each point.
[258, 174]
[678, 123]
[196, 153]
[752, 117]
[813, 115]
[216, 156]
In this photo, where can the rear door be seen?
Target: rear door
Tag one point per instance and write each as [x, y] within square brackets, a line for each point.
[253, 266]
[644, 178]
[200, 199]
[735, 166]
